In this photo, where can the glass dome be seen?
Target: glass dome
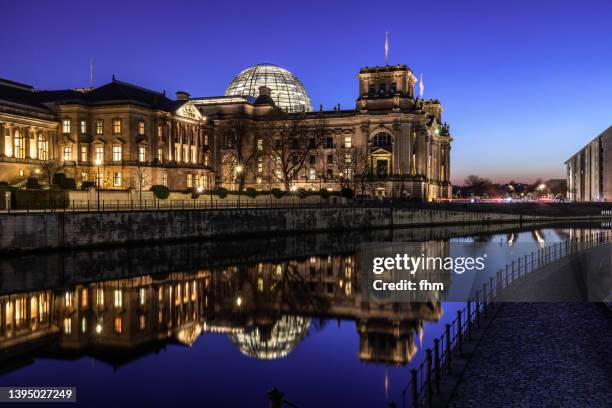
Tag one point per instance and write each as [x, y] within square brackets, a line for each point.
[288, 92]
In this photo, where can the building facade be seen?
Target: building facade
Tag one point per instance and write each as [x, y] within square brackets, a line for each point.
[390, 144]
[262, 134]
[589, 176]
[117, 136]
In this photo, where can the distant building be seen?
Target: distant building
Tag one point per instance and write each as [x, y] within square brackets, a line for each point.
[589, 171]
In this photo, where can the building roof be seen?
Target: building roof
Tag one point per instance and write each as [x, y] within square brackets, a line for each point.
[113, 93]
[20, 94]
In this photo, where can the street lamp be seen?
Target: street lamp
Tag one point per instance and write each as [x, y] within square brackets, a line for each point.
[98, 162]
[293, 189]
[238, 171]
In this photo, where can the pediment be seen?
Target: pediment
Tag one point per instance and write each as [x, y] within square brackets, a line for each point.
[190, 111]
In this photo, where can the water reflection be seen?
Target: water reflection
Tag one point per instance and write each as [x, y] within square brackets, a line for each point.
[265, 297]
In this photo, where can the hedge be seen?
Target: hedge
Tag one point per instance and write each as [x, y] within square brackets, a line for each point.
[161, 192]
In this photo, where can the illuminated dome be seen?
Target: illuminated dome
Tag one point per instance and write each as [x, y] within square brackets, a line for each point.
[274, 342]
[288, 92]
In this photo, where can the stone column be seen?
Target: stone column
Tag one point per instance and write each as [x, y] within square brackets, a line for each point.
[2, 127]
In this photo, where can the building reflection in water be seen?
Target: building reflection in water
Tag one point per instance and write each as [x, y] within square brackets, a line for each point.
[266, 309]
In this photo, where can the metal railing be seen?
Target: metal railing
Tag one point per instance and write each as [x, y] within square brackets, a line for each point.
[426, 377]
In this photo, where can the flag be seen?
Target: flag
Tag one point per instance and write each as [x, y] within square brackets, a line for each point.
[387, 48]
[421, 86]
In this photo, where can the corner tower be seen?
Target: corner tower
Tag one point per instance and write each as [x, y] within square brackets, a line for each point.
[391, 86]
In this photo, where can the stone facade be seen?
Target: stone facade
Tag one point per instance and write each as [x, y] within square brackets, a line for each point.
[120, 136]
[406, 143]
[115, 135]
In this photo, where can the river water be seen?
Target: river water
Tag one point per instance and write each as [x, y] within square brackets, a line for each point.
[219, 323]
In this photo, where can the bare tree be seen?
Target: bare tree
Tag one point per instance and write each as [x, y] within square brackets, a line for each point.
[353, 164]
[292, 139]
[49, 168]
[141, 179]
[239, 151]
[477, 185]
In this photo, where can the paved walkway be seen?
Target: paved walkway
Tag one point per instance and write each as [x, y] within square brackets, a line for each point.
[544, 355]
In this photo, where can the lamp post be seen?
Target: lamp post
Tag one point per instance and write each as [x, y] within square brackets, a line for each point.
[98, 162]
[238, 171]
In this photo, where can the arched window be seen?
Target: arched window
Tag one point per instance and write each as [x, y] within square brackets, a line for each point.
[42, 147]
[381, 139]
[19, 145]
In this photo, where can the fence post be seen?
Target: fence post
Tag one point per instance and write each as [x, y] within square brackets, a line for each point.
[484, 300]
[437, 363]
[477, 312]
[491, 290]
[275, 398]
[448, 348]
[415, 391]
[459, 333]
[429, 382]
[469, 319]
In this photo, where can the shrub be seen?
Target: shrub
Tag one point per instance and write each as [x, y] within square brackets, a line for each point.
[276, 192]
[161, 192]
[251, 192]
[221, 192]
[32, 184]
[69, 184]
[58, 179]
[86, 185]
[347, 192]
[324, 193]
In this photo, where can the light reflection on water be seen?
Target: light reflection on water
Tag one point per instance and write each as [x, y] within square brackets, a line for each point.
[222, 334]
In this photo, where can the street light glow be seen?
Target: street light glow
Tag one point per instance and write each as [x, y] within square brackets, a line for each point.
[238, 169]
[98, 162]
[293, 188]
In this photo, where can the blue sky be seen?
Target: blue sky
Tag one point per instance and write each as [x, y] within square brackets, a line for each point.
[524, 84]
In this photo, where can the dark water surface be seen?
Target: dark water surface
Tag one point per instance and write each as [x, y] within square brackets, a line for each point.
[220, 323]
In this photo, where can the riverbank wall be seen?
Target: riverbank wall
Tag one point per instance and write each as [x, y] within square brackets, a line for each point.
[61, 230]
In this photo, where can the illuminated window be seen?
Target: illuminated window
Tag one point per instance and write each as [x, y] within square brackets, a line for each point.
[83, 153]
[312, 174]
[141, 154]
[142, 322]
[206, 159]
[99, 127]
[67, 153]
[118, 296]
[189, 180]
[258, 180]
[381, 139]
[66, 126]
[83, 325]
[100, 153]
[141, 127]
[19, 145]
[84, 299]
[348, 142]
[205, 140]
[117, 179]
[100, 297]
[259, 144]
[159, 131]
[83, 125]
[260, 164]
[42, 147]
[118, 325]
[160, 154]
[143, 296]
[347, 158]
[116, 126]
[8, 149]
[193, 290]
[116, 153]
[164, 179]
[68, 299]
[67, 325]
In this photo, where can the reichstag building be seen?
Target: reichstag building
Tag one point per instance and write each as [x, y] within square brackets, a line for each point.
[262, 133]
